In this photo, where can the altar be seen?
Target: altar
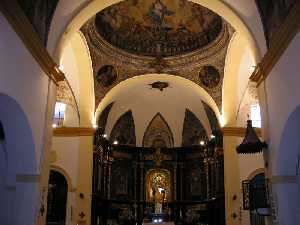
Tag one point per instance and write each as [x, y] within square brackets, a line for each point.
[160, 223]
[157, 186]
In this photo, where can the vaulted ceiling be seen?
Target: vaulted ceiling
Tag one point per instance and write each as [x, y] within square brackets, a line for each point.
[134, 38]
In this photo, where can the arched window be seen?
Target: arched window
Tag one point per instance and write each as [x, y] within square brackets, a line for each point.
[59, 114]
[255, 115]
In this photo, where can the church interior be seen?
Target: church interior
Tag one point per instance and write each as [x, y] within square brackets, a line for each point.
[149, 112]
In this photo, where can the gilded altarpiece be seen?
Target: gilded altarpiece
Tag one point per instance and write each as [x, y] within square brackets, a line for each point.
[133, 184]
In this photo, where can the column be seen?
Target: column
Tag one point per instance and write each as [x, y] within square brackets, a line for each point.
[232, 183]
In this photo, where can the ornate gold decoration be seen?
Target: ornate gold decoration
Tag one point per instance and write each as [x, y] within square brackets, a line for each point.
[158, 186]
[73, 131]
[158, 157]
[129, 65]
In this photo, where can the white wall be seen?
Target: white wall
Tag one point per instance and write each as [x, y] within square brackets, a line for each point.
[66, 149]
[25, 84]
[283, 96]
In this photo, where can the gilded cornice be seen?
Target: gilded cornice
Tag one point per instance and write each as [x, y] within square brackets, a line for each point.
[73, 131]
[89, 131]
[238, 131]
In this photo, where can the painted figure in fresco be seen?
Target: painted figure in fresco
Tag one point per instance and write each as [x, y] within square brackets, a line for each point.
[209, 76]
[158, 11]
[106, 75]
[142, 26]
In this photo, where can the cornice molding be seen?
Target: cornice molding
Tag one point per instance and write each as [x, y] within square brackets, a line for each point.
[24, 29]
[73, 131]
[281, 41]
[238, 131]
[89, 131]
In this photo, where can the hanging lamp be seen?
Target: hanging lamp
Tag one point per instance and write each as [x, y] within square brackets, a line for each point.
[251, 142]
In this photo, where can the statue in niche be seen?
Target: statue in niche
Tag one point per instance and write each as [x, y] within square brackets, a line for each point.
[158, 185]
[159, 192]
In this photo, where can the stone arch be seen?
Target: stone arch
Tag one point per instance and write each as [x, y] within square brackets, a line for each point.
[158, 133]
[57, 198]
[255, 172]
[18, 189]
[124, 130]
[71, 187]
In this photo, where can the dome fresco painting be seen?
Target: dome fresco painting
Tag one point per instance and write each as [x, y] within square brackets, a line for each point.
[178, 37]
[158, 27]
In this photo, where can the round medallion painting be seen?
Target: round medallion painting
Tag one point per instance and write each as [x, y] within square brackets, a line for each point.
[106, 75]
[209, 76]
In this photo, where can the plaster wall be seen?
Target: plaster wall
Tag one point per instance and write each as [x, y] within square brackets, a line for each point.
[86, 80]
[67, 149]
[66, 160]
[231, 181]
[22, 79]
[281, 93]
[71, 117]
[25, 115]
[70, 69]
[236, 77]
[249, 14]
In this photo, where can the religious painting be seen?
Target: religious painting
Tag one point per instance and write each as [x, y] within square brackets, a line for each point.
[152, 27]
[119, 178]
[193, 131]
[40, 13]
[124, 130]
[106, 75]
[209, 76]
[273, 14]
[196, 185]
[214, 124]
[158, 133]
[158, 186]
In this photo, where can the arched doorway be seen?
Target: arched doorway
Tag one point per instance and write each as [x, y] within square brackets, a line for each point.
[257, 196]
[18, 165]
[286, 172]
[57, 199]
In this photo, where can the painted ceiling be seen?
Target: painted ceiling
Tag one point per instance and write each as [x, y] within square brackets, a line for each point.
[113, 62]
[152, 27]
